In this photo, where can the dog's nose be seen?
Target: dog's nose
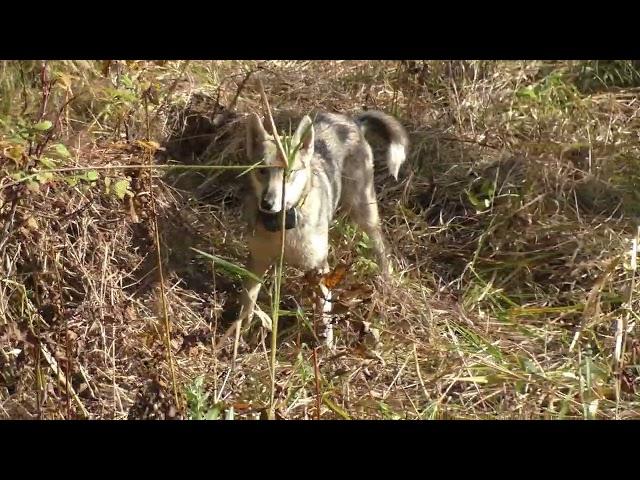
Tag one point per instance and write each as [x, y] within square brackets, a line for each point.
[267, 204]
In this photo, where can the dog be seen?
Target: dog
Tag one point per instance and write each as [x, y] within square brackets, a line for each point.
[332, 169]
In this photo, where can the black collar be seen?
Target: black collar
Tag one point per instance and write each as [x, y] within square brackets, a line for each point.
[273, 221]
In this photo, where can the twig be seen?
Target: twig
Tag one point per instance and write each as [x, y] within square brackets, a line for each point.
[424, 388]
[276, 301]
[174, 85]
[41, 145]
[8, 223]
[316, 371]
[46, 89]
[24, 91]
[39, 386]
[470, 140]
[165, 314]
[66, 335]
[62, 380]
[136, 166]
[163, 296]
[623, 319]
[246, 78]
[272, 124]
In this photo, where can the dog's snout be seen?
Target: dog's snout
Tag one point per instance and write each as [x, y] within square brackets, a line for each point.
[267, 203]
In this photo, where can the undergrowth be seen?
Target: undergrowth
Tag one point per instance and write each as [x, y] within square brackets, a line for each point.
[513, 229]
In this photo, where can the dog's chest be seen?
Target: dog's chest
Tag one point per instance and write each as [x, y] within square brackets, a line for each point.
[306, 247]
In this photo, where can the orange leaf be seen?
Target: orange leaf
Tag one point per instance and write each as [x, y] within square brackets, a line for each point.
[334, 278]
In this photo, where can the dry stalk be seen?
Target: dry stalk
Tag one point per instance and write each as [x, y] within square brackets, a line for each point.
[276, 301]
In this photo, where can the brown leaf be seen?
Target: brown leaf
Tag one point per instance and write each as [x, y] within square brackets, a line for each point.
[334, 278]
[355, 295]
[628, 381]
[31, 223]
[150, 146]
[12, 333]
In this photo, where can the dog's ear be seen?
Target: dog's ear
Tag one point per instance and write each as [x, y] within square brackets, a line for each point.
[256, 135]
[304, 135]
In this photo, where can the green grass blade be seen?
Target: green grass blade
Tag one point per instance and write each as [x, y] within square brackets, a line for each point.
[229, 266]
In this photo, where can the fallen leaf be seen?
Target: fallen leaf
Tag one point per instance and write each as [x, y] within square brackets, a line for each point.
[334, 278]
[31, 223]
[150, 145]
[355, 295]
[264, 318]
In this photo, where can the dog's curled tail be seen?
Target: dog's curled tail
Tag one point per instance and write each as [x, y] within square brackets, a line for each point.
[389, 130]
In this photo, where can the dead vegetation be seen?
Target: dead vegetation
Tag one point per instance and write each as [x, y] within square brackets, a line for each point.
[514, 229]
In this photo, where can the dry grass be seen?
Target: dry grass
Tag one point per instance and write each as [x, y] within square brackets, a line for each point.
[513, 228]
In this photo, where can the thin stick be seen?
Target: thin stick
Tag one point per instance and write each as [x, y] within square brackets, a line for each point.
[137, 166]
[8, 223]
[623, 321]
[276, 308]
[316, 371]
[424, 388]
[165, 314]
[39, 396]
[163, 296]
[40, 147]
[272, 123]
[62, 378]
[173, 87]
[66, 336]
[247, 76]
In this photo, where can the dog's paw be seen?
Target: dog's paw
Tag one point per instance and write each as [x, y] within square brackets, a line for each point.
[386, 270]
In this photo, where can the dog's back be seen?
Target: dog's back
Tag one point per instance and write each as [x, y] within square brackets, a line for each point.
[339, 148]
[343, 154]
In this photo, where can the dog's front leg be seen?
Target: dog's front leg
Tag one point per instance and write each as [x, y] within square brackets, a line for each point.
[323, 305]
[324, 330]
[251, 288]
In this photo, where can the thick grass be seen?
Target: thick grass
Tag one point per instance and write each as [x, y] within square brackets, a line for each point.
[513, 229]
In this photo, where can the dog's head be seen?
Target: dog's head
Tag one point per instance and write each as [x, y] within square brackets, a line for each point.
[267, 182]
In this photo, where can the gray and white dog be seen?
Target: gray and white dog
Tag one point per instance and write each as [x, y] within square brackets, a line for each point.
[333, 169]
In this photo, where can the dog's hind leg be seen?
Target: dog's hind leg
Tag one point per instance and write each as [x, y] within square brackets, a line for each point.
[360, 204]
[365, 215]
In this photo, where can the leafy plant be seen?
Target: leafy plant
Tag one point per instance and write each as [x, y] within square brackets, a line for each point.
[198, 404]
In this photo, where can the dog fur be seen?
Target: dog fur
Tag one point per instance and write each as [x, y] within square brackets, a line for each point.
[333, 169]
